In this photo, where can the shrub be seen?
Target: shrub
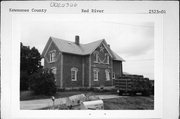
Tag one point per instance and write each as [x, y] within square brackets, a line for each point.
[43, 82]
[24, 81]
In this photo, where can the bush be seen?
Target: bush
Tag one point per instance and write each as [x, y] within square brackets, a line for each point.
[24, 81]
[43, 82]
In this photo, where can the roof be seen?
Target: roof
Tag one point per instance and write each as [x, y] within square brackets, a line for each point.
[81, 49]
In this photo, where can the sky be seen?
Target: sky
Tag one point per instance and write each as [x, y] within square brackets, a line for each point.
[133, 41]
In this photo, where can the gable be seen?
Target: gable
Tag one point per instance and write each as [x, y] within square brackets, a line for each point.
[50, 46]
[103, 46]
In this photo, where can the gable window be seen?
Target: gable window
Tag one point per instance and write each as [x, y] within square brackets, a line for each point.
[52, 56]
[96, 56]
[74, 74]
[95, 74]
[107, 72]
[114, 75]
[107, 59]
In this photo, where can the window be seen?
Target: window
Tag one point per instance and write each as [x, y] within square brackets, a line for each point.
[95, 72]
[53, 70]
[74, 74]
[96, 55]
[107, 74]
[114, 75]
[107, 59]
[52, 56]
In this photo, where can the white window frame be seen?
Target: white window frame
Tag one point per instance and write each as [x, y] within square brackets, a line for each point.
[96, 74]
[52, 55]
[107, 56]
[107, 72]
[75, 70]
[54, 70]
[96, 54]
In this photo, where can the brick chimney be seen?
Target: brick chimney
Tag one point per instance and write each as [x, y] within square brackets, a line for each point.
[77, 40]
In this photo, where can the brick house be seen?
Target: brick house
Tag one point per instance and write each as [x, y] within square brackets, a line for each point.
[81, 65]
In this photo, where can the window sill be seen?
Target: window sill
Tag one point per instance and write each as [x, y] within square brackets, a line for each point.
[52, 62]
[73, 80]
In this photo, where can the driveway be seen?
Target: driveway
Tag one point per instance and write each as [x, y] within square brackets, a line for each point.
[42, 103]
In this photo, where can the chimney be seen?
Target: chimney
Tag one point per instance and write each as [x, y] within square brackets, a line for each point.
[108, 45]
[77, 40]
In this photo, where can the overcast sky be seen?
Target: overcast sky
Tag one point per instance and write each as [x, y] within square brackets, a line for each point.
[133, 41]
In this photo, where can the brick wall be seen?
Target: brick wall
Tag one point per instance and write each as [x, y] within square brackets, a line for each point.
[70, 61]
[102, 67]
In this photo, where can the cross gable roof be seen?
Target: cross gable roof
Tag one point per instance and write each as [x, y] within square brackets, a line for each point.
[81, 49]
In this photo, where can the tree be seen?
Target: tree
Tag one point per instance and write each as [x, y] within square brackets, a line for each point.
[29, 64]
[43, 82]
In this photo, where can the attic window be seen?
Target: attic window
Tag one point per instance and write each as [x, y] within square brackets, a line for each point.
[52, 55]
[107, 59]
[96, 56]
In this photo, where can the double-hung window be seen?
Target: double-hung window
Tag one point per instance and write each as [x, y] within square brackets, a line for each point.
[95, 74]
[52, 55]
[107, 72]
[74, 74]
[107, 59]
[53, 69]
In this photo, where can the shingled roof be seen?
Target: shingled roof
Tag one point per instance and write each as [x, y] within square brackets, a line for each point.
[81, 49]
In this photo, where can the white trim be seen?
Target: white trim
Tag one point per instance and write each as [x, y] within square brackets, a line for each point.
[51, 57]
[104, 46]
[107, 57]
[107, 49]
[95, 70]
[107, 72]
[74, 69]
[48, 48]
[54, 68]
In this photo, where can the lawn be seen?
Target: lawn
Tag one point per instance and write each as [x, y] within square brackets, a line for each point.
[30, 96]
[123, 103]
[129, 103]
[120, 103]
